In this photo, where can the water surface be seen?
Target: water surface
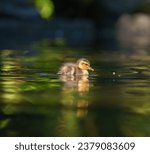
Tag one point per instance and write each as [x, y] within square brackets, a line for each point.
[35, 101]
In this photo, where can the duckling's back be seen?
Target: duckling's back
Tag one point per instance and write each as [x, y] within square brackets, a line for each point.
[68, 69]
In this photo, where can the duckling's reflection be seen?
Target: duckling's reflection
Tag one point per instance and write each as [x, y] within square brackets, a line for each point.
[75, 93]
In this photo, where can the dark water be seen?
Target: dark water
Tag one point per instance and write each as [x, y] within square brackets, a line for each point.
[113, 101]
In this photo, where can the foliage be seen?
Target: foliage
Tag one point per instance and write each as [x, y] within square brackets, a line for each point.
[45, 8]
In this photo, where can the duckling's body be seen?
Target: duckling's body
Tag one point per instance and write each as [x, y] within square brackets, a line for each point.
[81, 67]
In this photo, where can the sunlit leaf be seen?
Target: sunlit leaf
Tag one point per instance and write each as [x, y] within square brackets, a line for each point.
[4, 123]
[45, 8]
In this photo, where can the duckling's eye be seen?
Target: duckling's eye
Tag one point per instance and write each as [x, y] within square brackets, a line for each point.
[83, 63]
[86, 64]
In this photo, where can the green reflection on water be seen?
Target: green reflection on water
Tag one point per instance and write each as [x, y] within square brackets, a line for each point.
[35, 101]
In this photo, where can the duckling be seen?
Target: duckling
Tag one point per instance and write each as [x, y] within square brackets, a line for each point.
[81, 67]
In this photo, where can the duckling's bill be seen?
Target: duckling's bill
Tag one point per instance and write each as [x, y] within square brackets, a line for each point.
[90, 68]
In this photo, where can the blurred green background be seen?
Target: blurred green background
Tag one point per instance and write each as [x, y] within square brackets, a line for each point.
[101, 23]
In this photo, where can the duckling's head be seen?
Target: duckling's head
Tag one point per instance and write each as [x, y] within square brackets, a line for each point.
[84, 64]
